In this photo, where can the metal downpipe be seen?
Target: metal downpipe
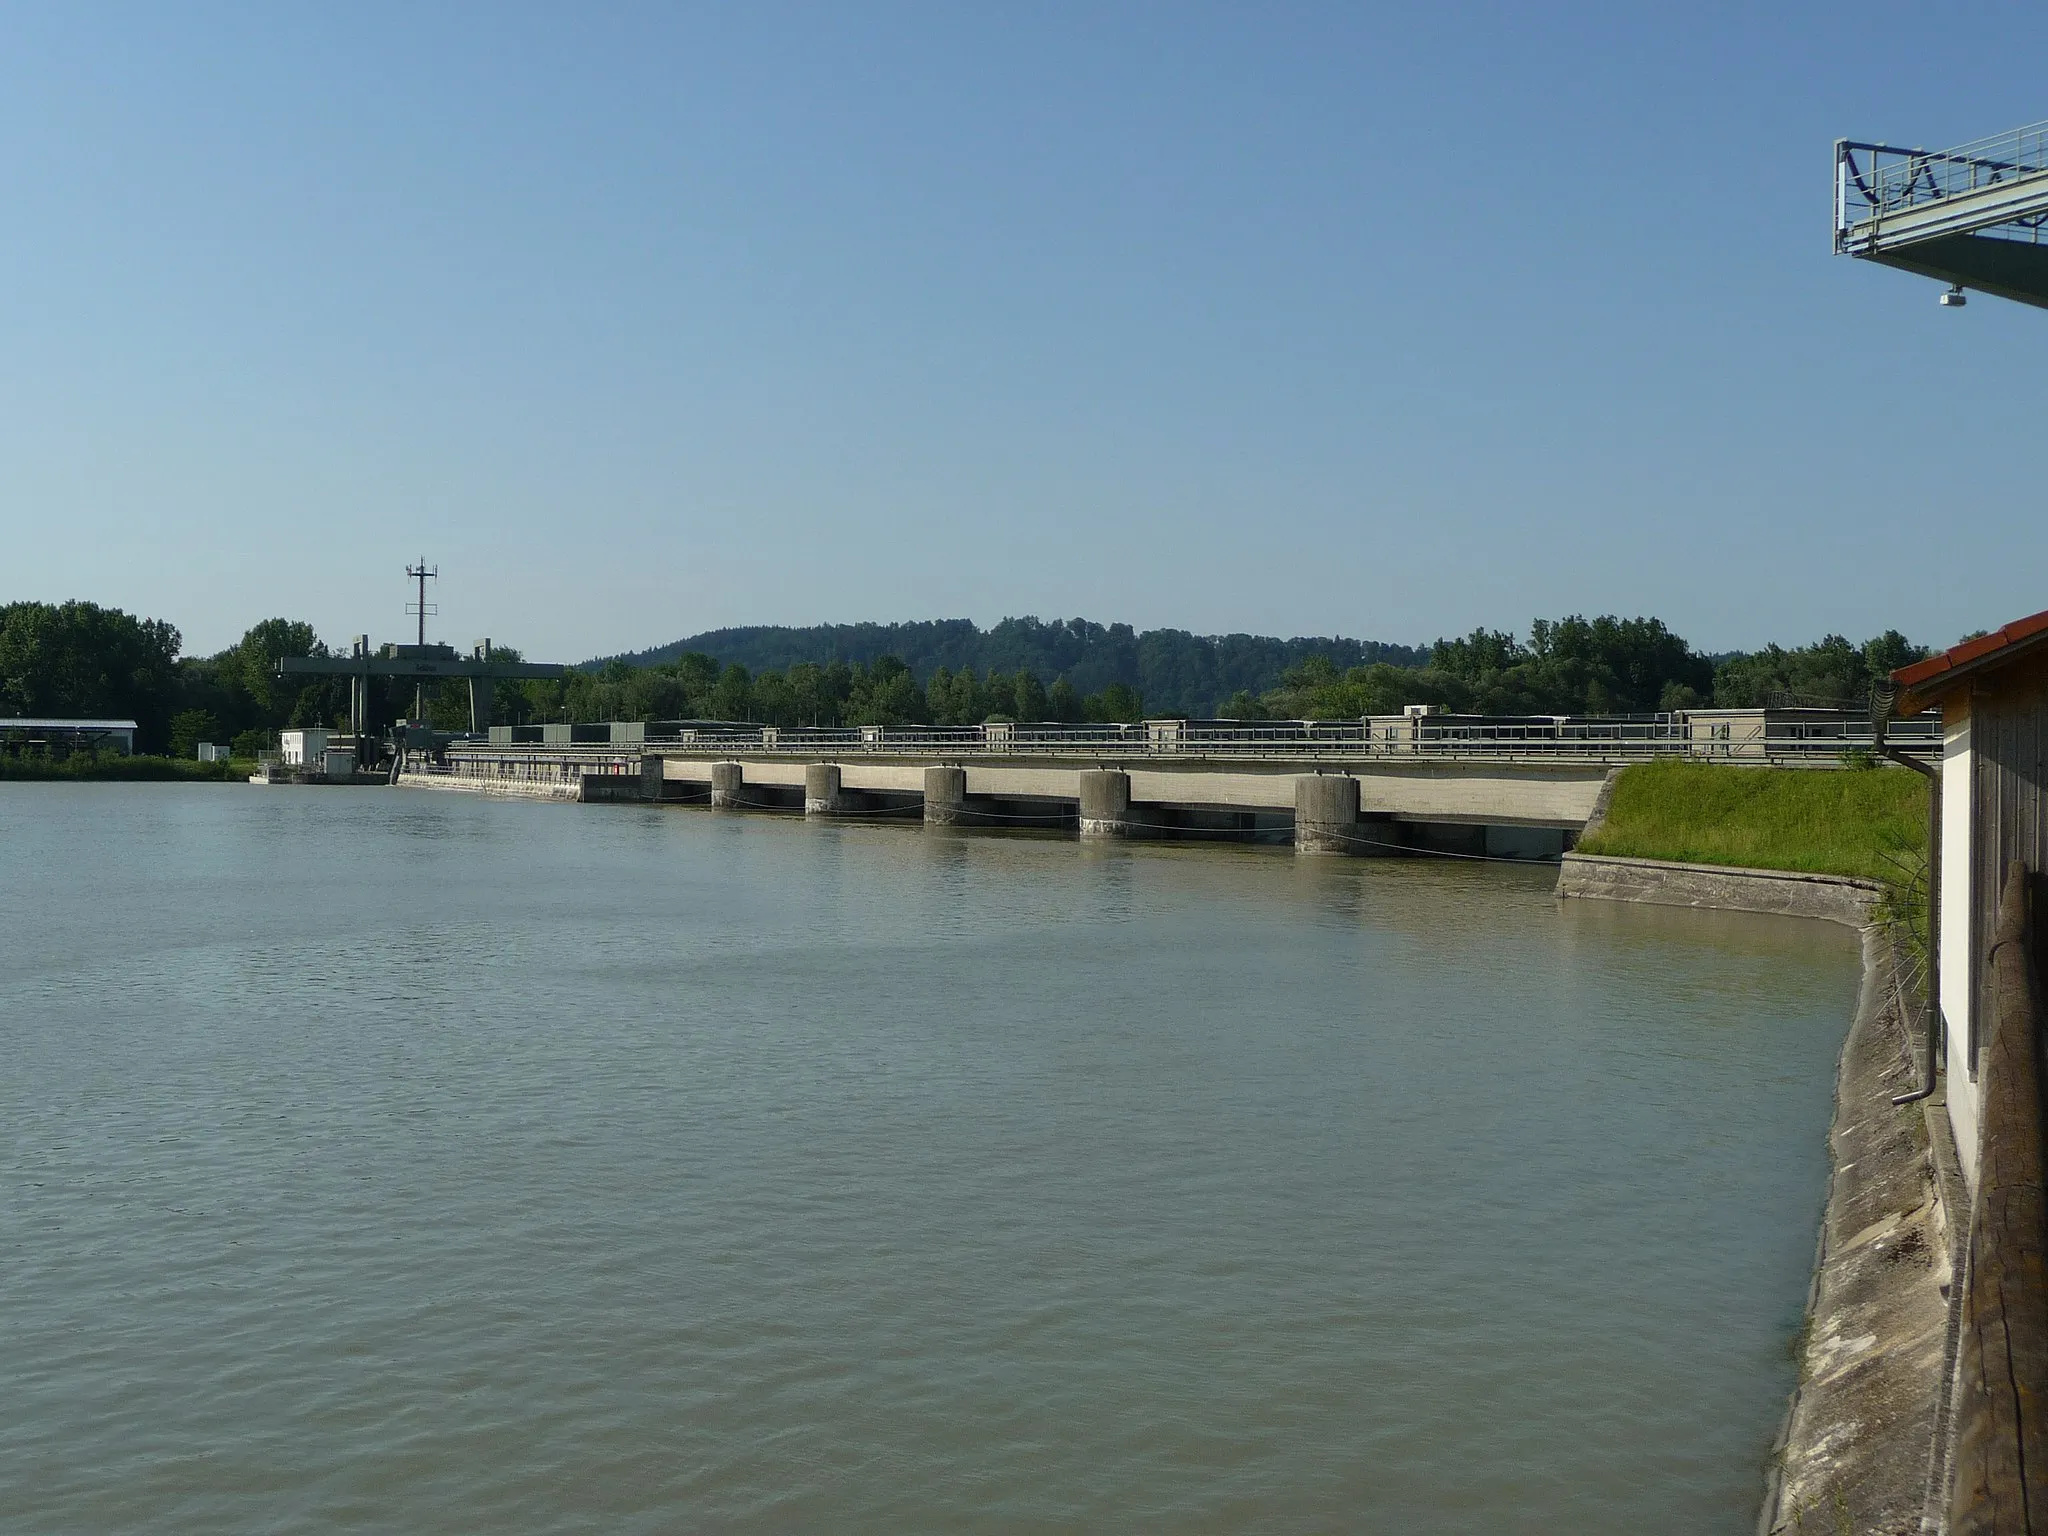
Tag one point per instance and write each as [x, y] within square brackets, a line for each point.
[1882, 699]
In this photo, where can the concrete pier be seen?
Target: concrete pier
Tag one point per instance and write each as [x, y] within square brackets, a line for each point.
[945, 796]
[1326, 813]
[823, 795]
[728, 786]
[1105, 802]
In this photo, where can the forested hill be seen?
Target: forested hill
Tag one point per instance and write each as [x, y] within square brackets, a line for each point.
[1175, 672]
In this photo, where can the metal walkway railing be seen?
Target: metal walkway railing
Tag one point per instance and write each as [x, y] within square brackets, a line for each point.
[1562, 740]
[1888, 196]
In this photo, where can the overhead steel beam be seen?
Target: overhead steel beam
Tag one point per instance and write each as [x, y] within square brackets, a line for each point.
[2005, 269]
[422, 666]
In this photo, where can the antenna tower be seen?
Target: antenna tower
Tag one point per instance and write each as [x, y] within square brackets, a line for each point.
[421, 574]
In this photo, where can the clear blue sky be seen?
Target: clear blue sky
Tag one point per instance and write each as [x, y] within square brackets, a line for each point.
[1383, 320]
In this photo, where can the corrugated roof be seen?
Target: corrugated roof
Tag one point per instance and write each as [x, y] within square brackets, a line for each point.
[67, 725]
[1924, 681]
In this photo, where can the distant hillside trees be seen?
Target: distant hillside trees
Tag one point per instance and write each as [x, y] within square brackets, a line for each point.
[1579, 666]
[1172, 670]
[881, 692]
[1570, 666]
[81, 660]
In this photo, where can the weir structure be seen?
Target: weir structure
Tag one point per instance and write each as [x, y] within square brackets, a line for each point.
[1324, 798]
[1498, 788]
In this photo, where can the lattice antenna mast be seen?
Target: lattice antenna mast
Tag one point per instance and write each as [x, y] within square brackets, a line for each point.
[421, 574]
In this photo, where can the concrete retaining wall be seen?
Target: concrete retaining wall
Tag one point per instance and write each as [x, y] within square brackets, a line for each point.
[1864, 1444]
[1832, 897]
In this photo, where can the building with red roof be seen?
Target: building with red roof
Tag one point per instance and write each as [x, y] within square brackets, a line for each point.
[1992, 692]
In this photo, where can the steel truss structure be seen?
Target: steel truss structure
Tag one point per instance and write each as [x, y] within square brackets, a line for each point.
[1971, 217]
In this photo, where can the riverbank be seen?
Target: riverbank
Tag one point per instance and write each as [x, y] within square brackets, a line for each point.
[1865, 1442]
[85, 769]
[1867, 824]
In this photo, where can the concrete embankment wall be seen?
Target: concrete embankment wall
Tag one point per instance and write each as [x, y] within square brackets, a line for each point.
[1780, 892]
[1866, 1441]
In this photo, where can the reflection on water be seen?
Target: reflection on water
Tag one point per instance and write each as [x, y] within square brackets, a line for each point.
[414, 1161]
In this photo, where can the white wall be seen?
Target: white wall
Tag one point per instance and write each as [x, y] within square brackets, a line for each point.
[302, 747]
[1958, 960]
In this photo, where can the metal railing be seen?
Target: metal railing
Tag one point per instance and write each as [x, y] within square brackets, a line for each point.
[1616, 740]
[1876, 181]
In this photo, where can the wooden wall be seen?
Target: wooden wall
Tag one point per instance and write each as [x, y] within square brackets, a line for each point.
[2009, 761]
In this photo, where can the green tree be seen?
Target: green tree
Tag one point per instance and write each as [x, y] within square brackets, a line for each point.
[1830, 673]
[1117, 704]
[79, 660]
[1886, 653]
[1027, 696]
[1063, 702]
[189, 727]
[884, 693]
[733, 698]
[255, 659]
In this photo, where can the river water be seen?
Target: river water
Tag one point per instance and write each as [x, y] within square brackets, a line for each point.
[392, 1160]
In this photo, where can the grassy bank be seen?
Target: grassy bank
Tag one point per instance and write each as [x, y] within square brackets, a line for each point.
[147, 769]
[1867, 822]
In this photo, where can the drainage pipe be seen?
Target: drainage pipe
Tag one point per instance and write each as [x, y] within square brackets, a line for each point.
[1881, 713]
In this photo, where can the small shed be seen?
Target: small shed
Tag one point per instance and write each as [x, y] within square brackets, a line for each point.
[305, 748]
[1993, 696]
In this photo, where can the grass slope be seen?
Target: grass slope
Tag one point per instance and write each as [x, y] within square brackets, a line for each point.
[1867, 822]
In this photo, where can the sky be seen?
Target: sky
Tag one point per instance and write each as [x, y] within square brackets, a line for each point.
[1380, 320]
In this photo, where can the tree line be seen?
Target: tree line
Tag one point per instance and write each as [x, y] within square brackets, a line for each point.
[1175, 672]
[78, 659]
[885, 691]
[1579, 666]
[81, 661]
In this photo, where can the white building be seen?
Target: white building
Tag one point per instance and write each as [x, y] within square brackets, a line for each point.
[304, 749]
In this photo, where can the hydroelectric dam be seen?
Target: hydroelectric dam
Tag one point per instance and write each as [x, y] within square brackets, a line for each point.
[1517, 789]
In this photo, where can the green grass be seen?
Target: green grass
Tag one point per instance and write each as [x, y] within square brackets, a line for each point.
[1866, 822]
[155, 769]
